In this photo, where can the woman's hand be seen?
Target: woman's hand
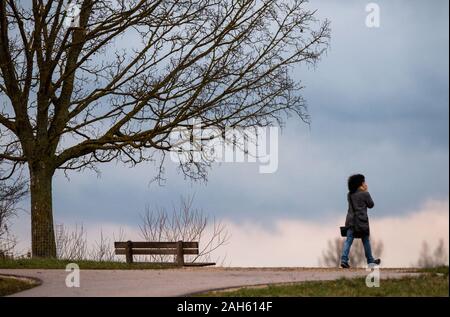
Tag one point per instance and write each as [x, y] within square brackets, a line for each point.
[364, 187]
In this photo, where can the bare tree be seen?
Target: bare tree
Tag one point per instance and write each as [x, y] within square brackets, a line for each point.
[115, 84]
[331, 257]
[439, 257]
[71, 244]
[103, 249]
[185, 223]
[11, 193]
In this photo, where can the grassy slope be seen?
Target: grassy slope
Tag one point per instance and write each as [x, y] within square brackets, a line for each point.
[86, 265]
[433, 282]
[12, 285]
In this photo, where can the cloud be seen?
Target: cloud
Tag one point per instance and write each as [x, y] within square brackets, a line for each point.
[300, 243]
[392, 80]
[379, 105]
[309, 184]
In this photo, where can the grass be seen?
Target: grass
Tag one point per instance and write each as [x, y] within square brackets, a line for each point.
[86, 265]
[434, 282]
[441, 270]
[11, 285]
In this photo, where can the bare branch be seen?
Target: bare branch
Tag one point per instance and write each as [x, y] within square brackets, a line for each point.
[186, 224]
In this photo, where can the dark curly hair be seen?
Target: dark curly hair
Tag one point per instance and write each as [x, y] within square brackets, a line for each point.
[355, 181]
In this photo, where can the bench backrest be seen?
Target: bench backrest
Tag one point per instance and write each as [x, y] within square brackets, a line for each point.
[180, 248]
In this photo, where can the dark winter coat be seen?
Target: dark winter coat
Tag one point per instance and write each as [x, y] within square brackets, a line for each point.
[358, 219]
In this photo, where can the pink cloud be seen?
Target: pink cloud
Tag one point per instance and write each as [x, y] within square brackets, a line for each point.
[300, 243]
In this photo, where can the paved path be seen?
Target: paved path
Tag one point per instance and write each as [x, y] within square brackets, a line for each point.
[175, 282]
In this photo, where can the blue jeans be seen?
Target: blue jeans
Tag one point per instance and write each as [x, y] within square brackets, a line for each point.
[348, 244]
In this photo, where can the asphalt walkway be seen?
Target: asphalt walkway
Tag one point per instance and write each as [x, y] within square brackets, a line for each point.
[176, 282]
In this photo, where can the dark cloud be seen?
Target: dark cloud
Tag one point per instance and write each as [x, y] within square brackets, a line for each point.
[379, 105]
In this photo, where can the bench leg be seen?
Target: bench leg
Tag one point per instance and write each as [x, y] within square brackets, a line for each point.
[180, 254]
[129, 252]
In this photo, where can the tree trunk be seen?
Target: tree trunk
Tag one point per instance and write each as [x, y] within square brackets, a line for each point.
[42, 230]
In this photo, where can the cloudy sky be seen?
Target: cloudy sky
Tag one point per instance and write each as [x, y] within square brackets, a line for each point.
[379, 103]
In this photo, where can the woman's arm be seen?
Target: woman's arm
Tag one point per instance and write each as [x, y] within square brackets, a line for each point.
[369, 201]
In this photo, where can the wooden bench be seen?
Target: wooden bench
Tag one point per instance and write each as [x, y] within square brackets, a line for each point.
[179, 249]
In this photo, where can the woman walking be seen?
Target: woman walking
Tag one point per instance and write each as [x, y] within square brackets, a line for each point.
[357, 221]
